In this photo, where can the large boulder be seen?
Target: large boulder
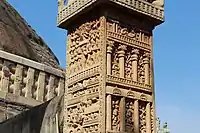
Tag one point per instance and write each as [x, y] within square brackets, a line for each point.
[17, 37]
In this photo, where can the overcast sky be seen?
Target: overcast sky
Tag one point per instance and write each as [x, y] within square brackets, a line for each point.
[176, 56]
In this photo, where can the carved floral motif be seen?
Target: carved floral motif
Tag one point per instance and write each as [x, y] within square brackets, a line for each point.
[128, 64]
[115, 63]
[84, 49]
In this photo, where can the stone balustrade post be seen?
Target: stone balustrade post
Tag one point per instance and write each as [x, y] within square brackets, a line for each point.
[148, 118]
[50, 88]
[109, 113]
[136, 116]
[146, 68]
[29, 82]
[18, 79]
[109, 53]
[40, 86]
[4, 85]
[121, 54]
[134, 59]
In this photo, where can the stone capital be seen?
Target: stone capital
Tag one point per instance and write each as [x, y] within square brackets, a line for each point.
[134, 57]
[122, 47]
[121, 53]
[135, 51]
[110, 45]
[146, 58]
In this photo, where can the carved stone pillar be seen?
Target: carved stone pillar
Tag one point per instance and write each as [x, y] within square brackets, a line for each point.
[122, 114]
[146, 69]
[136, 117]
[109, 52]
[148, 118]
[108, 112]
[134, 59]
[121, 54]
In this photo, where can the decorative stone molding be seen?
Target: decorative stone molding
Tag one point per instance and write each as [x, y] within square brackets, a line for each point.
[128, 41]
[128, 83]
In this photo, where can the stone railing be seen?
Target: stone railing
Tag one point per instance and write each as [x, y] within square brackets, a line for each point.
[26, 78]
[141, 6]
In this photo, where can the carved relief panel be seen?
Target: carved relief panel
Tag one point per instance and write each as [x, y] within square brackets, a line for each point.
[129, 117]
[83, 46]
[133, 60]
[142, 117]
[131, 31]
[83, 116]
[116, 113]
[115, 62]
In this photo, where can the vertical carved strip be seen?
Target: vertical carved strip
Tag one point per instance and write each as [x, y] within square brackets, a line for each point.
[18, 79]
[121, 54]
[146, 68]
[109, 52]
[50, 88]
[135, 64]
[136, 116]
[108, 112]
[153, 118]
[122, 114]
[41, 86]
[102, 93]
[5, 79]
[29, 82]
[116, 114]
[148, 118]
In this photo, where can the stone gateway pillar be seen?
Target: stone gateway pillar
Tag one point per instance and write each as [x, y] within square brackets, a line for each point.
[109, 85]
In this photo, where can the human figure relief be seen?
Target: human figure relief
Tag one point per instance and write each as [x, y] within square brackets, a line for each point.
[129, 116]
[115, 115]
[142, 116]
[84, 45]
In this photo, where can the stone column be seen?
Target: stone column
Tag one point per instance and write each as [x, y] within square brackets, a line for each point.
[122, 114]
[108, 113]
[121, 54]
[146, 68]
[134, 59]
[109, 61]
[148, 118]
[136, 117]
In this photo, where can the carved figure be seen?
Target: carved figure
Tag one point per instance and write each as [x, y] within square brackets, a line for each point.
[129, 116]
[158, 3]
[115, 115]
[84, 46]
[142, 116]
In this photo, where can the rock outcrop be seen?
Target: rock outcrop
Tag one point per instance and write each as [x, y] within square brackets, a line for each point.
[17, 37]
